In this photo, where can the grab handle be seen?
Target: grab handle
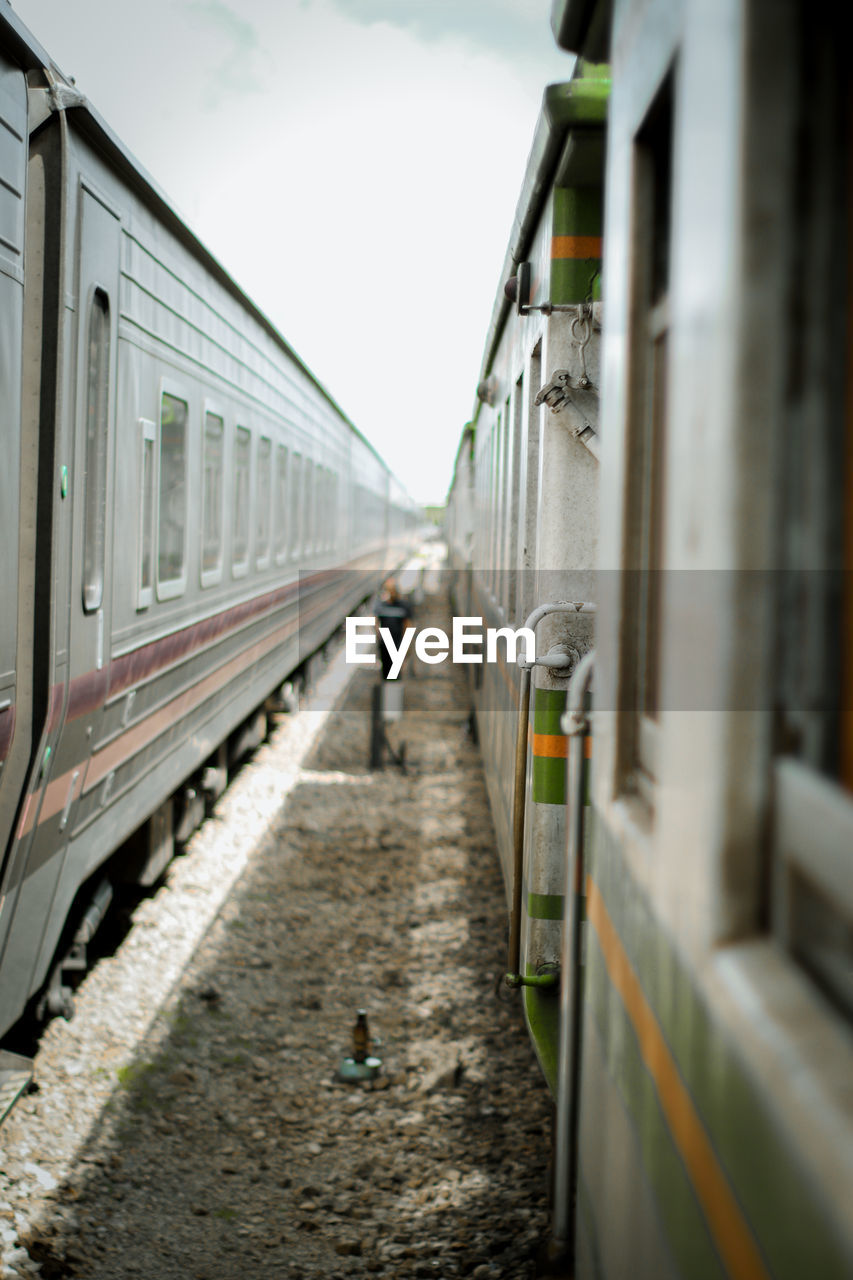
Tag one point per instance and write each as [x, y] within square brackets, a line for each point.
[519, 800]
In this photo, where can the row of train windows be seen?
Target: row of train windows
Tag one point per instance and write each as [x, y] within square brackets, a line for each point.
[293, 511]
[499, 505]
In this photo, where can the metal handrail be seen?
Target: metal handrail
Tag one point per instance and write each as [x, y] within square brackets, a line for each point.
[513, 976]
[575, 723]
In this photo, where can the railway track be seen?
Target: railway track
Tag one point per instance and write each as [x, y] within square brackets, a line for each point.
[190, 1122]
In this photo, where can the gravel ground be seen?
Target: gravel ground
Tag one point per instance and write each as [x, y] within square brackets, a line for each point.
[189, 1122]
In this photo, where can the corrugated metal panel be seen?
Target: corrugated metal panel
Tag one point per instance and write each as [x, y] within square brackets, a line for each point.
[13, 125]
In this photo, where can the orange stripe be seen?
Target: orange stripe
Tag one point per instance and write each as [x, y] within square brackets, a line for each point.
[587, 746]
[732, 1235]
[575, 247]
[551, 745]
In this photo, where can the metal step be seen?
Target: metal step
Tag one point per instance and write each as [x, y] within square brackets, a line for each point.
[16, 1072]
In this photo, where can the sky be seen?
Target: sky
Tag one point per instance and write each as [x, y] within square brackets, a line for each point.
[353, 164]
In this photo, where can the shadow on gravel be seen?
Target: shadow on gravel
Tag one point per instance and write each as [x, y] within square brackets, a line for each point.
[229, 1150]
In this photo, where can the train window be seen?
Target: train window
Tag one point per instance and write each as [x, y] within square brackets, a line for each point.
[504, 521]
[320, 510]
[526, 592]
[333, 510]
[483, 503]
[511, 600]
[497, 431]
[295, 504]
[147, 491]
[263, 510]
[172, 516]
[308, 508]
[97, 404]
[280, 502]
[317, 510]
[240, 506]
[646, 442]
[811, 906]
[212, 499]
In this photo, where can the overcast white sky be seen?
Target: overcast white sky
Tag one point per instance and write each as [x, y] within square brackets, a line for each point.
[354, 165]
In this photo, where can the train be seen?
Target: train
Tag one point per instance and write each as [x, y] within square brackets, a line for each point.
[186, 517]
[657, 478]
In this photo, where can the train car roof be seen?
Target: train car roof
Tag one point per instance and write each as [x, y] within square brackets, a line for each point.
[31, 55]
[22, 43]
[580, 102]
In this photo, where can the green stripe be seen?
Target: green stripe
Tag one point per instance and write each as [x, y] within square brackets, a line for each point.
[582, 100]
[575, 280]
[548, 707]
[780, 1201]
[549, 780]
[542, 1012]
[545, 906]
[577, 212]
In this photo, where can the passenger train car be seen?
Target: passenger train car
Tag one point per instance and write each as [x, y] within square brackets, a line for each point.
[662, 485]
[185, 517]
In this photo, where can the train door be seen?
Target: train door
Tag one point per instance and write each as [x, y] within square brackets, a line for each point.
[42, 540]
[87, 605]
[99, 230]
[15, 688]
[50, 867]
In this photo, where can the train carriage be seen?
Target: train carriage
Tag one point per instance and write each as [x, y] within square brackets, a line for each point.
[700, 1046]
[187, 517]
[523, 508]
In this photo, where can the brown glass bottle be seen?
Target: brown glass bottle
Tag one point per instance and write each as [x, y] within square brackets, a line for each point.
[360, 1038]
